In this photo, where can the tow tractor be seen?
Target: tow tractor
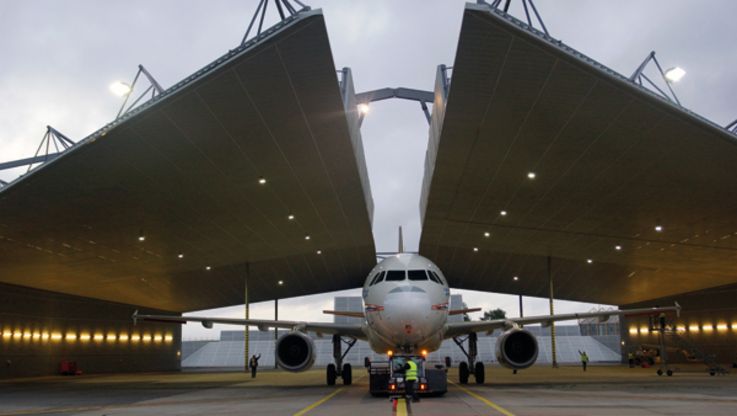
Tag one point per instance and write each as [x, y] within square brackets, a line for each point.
[387, 377]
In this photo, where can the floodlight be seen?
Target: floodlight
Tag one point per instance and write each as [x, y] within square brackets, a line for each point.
[674, 74]
[363, 108]
[120, 88]
[515, 278]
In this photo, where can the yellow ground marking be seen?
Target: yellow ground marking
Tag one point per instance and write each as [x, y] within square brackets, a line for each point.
[319, 402]
[401, 407]
[484, 400]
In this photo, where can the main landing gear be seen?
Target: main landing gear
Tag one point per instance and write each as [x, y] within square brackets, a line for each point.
[465, 369]
[346, 371]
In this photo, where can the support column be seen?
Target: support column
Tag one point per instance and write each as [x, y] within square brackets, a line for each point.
[276, 331]
[246, 328]
[521, 312]
[552, 312]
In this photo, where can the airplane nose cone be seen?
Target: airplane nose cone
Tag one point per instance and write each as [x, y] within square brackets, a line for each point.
[406, 312]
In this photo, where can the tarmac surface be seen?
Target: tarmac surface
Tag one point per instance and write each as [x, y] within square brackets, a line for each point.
[541, 390]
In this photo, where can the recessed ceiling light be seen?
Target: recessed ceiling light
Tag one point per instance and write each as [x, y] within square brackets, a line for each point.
[618, 247]
[208, 268]
[487, 234]
[475, 249]
[180, 255]
[262, 181]
[290, 217]
[319, 252]
[503, 213]
[307, 237]
[589, 261]
[515, 278]
[658, 228]
[531, 175]
[280, 283]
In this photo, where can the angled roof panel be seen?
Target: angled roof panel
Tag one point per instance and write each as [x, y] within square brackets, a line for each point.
[183, 170]
[612, 160]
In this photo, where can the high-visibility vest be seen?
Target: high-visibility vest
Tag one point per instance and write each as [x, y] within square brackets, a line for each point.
[411, 373]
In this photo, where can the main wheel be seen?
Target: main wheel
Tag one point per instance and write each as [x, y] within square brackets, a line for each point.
[347, 375]
[331, 374]
[660, 372]
[479, 373]
[463, 372]
[669, 373]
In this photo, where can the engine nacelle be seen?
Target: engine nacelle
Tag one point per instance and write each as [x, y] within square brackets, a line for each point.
[516, 349]
[295, 351]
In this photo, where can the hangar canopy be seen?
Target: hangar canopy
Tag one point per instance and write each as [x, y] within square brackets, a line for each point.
[183, 172]
[611, 162]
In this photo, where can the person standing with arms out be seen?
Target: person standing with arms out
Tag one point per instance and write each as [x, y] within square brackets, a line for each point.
[584, 359]
[410, 380]
[631, 359]
[253, 364]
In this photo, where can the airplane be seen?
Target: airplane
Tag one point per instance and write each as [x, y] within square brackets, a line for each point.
[406, 308]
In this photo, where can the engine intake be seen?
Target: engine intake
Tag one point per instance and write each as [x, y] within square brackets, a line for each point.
[516, 349]
[295, 352]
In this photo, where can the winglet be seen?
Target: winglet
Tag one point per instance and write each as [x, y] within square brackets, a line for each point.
[135, 317]
[401, 241]
[678, 310]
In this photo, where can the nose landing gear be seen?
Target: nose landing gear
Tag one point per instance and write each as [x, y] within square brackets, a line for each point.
[465, 368]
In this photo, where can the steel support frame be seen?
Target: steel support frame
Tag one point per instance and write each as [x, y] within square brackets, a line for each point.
[423, 97]
[281, 7]
[527, 5]
[732, 127]
[639, 76]
[154, 88]
[51, 137]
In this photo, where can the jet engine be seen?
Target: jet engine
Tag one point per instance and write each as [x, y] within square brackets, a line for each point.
[295, 351]
[516, 349]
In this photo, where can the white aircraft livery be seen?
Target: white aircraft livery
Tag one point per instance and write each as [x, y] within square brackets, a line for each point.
[406, 308]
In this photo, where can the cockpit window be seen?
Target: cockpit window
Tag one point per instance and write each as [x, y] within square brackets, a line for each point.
[376, 278]
[395, 275]
[416, 275]
[434, 277]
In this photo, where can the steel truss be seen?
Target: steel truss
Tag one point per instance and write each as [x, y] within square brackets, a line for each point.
[732, 127]
[281, 7]
[639, 76]
[423, 97]
[154, 88]
[526, 4]
[52, 145]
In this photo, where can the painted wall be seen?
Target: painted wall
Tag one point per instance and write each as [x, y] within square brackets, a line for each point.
[708, 320]
[39, 329]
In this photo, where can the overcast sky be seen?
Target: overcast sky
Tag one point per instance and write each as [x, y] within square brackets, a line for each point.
[57, 59]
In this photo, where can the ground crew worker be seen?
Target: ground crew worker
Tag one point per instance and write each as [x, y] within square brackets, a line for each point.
[662, 318]
[253, 364]
[584, 359]
[631, 359]
[410, 380]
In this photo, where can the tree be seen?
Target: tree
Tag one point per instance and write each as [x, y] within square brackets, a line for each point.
[497, 313]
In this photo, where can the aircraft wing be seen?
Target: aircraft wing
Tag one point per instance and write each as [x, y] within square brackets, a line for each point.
[455, 329]
[350, 330]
